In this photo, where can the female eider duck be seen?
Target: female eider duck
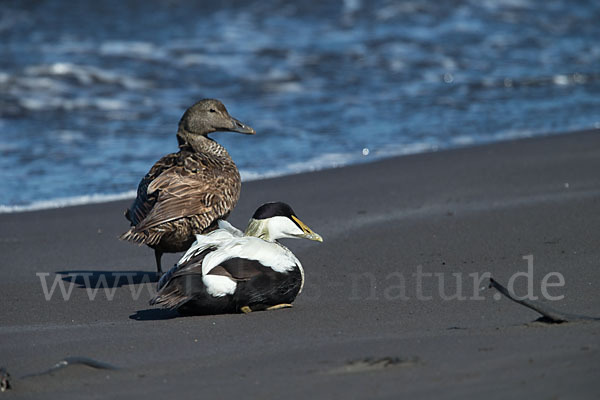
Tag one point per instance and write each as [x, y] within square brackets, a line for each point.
[185, 193]
[227, 271]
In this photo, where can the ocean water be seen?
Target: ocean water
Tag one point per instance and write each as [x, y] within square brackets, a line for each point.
[91, 92]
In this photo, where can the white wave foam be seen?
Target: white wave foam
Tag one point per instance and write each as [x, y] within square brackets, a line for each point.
[248, 176]
[41, 103]
[85, 74]
[133, 49]
[67, 201]
[500, 4]
[327, 160]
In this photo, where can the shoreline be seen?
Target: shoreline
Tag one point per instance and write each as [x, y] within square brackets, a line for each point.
[392, 227]
[99, 198]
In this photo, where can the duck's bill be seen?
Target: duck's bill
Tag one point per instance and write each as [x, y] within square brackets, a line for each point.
[237, 126]
[307, 233]
[313, 236]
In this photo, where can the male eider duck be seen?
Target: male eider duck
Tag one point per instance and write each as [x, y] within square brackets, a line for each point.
[227, 271]
[185, 193]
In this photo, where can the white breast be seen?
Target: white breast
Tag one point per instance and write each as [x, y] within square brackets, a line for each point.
[219, 286]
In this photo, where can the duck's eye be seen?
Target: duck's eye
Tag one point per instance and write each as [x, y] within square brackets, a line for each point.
[211, 110]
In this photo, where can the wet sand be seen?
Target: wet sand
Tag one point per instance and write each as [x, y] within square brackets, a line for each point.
[395, 304]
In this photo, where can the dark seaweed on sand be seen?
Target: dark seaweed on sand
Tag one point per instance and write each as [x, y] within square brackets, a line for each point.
[549, 315]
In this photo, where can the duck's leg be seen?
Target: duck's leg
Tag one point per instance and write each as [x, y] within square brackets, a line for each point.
[157, 255]
[247, 309]
[278, 306]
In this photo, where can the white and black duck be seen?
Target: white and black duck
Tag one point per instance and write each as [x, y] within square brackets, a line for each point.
[185, 193]
[227, 271]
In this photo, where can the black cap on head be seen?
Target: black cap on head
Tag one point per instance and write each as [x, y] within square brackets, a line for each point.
[275, 209]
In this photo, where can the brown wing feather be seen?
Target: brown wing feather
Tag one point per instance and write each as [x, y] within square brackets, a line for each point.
[200, 187]
[144, 201]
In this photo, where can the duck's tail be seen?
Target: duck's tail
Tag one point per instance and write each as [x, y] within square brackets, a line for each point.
[170, 297]
[143, 237]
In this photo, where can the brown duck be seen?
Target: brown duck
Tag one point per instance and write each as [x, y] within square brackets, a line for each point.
[185, 193]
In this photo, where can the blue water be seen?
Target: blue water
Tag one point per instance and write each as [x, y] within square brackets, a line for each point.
[91, 92]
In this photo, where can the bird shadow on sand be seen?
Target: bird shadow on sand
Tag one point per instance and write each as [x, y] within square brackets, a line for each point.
[107, 279]
[154, 314]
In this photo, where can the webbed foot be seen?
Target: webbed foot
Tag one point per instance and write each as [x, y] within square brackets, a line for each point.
[278, 306]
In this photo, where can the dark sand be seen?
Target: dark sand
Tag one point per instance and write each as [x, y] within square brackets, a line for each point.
[349, 335]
